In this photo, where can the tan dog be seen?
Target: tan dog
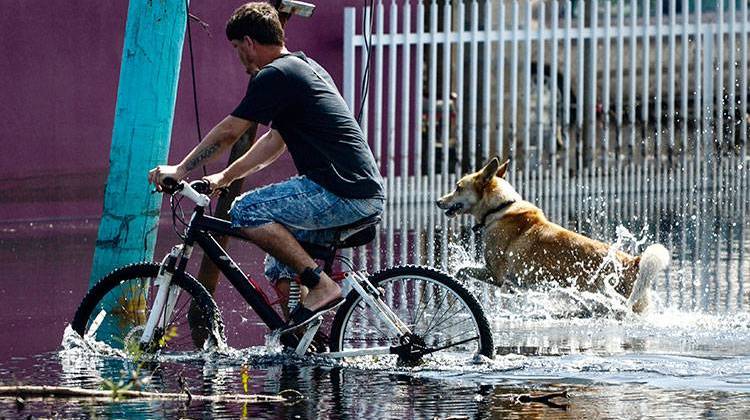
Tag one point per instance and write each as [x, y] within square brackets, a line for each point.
[522, 246]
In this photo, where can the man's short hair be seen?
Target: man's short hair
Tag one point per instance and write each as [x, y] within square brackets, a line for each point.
[259, 21]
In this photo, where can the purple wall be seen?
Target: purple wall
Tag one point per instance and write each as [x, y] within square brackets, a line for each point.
[59, 78]
[58, 84]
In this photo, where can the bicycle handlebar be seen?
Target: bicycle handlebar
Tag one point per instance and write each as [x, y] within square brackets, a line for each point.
[197, 191]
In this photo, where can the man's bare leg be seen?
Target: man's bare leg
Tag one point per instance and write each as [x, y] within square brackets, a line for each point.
[277, 241]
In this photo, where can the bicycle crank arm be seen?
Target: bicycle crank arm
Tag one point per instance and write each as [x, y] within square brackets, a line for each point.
[308, 337]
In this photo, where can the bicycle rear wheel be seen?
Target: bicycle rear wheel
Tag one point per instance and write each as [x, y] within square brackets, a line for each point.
[116, 309]
[443, 316]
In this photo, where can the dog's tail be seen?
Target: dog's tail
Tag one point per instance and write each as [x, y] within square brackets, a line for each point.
[653, 261]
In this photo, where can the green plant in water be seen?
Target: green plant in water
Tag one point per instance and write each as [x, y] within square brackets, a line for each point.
[245, 375]
[169, 334]
[138, 354]
[121, 385]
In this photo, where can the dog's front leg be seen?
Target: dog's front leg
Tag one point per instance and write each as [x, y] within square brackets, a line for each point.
[474, 273]
[508, 284]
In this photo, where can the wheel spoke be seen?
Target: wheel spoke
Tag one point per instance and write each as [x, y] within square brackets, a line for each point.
[439, 311]
[127, 295]
[445, 319]
[450, 325]
[419, 314]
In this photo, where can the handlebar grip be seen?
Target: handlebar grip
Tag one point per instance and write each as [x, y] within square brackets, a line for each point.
[201, 186]
[170, 185]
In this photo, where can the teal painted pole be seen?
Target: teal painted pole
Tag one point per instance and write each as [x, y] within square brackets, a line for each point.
[146, 95]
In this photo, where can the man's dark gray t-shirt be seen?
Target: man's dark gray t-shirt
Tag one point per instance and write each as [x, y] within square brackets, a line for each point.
[325, 141]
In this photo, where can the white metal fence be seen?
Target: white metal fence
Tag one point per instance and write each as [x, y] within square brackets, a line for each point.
[608, 109]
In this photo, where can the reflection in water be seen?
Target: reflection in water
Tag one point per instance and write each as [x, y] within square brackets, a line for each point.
[335, 391]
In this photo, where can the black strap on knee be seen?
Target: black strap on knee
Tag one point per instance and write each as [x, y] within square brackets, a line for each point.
[310, 277]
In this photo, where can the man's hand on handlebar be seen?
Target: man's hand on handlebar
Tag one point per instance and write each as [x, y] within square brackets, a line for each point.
[217, 183]
[157, 175]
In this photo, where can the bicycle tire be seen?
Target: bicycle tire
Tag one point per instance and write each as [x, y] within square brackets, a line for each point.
[130, 315]
[344, 321]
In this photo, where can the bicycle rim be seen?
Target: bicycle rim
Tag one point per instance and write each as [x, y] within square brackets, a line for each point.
[444, 321]
[117, 309]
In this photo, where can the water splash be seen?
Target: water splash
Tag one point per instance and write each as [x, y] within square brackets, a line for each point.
[555, 301]
[73, 345]
[273, 342]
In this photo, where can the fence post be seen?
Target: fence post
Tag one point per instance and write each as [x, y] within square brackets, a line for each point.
[348, 55]
[146, 95]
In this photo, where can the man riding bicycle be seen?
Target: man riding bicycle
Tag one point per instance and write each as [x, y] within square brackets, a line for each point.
[339, 182]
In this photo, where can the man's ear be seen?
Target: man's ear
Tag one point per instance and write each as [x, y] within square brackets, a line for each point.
[503, 168]
[490, 169]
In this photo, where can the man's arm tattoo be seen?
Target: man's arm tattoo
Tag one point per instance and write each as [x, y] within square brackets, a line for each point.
[203, 155]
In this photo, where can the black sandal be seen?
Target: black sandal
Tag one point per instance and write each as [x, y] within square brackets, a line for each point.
[301, 316]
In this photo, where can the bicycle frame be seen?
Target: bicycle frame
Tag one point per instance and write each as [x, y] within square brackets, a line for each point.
[199, 231]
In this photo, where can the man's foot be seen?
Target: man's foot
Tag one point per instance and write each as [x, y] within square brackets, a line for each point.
[302, 316]
[324, 293]
[324, 297]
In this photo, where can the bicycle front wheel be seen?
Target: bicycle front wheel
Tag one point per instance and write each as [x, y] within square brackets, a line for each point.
[443, 316]
[116, 309]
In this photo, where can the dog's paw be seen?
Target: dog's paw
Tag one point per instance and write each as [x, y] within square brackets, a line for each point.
[474, 273]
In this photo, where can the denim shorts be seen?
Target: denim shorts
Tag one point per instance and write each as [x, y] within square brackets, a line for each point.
[308, 210]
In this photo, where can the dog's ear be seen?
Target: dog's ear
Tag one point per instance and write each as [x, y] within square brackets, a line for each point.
[490, 169]
[503, 168]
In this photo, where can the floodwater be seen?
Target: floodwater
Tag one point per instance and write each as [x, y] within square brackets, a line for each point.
[688, 357]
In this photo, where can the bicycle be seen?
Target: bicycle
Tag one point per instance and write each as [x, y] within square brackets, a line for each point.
[407, 311]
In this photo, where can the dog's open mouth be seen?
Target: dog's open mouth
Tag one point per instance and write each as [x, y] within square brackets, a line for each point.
[452, 210]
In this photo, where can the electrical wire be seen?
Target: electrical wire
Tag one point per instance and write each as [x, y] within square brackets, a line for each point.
[195, 90]
[345, 261]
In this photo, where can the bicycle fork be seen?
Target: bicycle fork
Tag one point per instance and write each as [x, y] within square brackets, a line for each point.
[167, 294]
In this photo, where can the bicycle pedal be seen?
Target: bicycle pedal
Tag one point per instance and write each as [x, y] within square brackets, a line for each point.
[318, 318]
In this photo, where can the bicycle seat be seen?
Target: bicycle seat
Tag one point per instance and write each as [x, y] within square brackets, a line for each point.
[354, 234]
[358, 233]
